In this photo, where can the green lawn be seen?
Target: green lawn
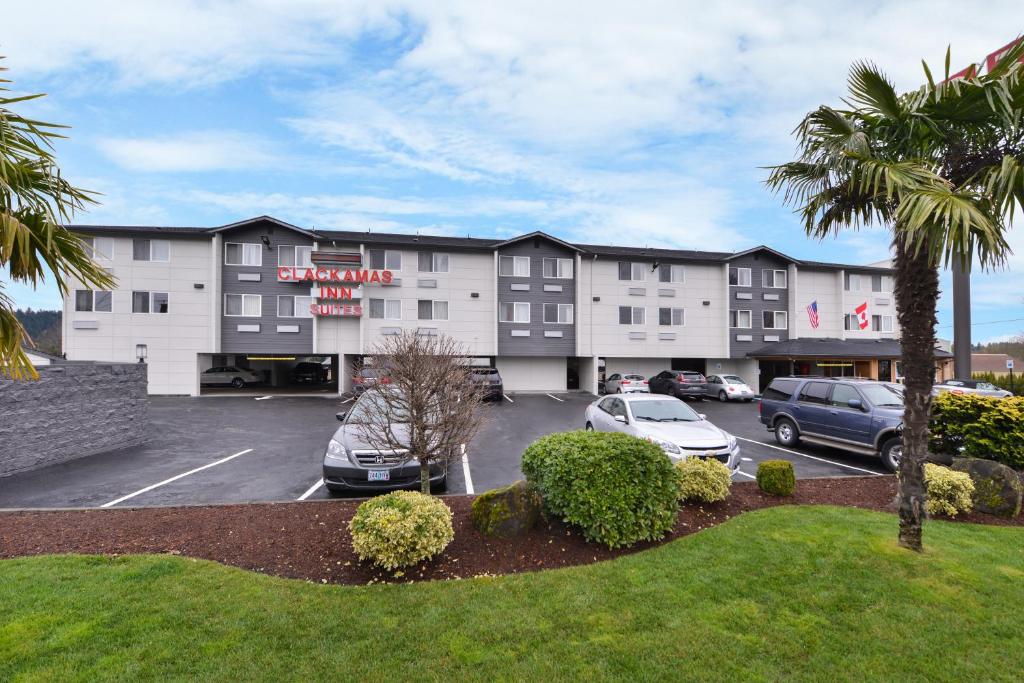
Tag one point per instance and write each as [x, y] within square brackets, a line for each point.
[796, 593]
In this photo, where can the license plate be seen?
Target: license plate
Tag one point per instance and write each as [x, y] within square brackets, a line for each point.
[378, 475]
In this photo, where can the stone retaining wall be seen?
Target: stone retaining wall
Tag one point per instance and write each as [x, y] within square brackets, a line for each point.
[73, 410]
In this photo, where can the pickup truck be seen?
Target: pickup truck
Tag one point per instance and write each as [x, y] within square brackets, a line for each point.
[856, 415]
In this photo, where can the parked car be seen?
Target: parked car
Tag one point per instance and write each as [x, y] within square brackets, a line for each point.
[679, 383]
[228, 376]
[625, 384]
[309, 372]
[970, 386]
[673, 425]
[491, 379]
[353, 464]
[368, 377]
[729, 388]
[856, 415]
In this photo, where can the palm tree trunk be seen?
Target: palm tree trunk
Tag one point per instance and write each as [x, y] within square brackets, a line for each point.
[425, 476]
[917, 293]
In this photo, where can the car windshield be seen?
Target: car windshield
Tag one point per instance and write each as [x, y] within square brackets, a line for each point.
[882, 396]
[369, 404]
[631, 377]
[369, 373]
[669, 410]
[733, 379]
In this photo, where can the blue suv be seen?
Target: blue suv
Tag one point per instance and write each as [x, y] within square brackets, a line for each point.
[857, 415]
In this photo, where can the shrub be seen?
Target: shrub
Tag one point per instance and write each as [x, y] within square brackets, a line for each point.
[401, 528]
[617, 488]
[703, 480]
[979, 427]
[949, 492]
[776, 477]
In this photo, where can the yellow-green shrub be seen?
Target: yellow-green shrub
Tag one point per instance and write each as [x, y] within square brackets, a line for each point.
[776, 477]
[703, 480]
[401, 528]
[979, 427]
[949, 492]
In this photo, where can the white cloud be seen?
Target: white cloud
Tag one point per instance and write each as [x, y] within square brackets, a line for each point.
[194, 151]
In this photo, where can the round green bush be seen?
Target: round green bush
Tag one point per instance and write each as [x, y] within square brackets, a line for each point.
[703, 480]
[617, 488]
[401, 528]
[776, 477]
[948, 492]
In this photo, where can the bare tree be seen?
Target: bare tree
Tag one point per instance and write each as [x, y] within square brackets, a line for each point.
[429, 405]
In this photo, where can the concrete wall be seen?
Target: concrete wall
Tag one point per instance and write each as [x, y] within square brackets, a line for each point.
[532, 374]
[73, 410]
[741, 367]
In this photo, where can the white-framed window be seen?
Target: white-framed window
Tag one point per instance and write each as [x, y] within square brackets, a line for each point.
[243, 305]
[385, 259]
[93, 301]
[386, 309]
[514, 312]
[560, 268]
[290, 306]
[632, 315]
[851, 322]
[671, 316]
[668, 272]
[514, 266]
[773, 279]
[852, 283]
[775, 320]
[881, 323]
[432, 310]
[559, 314]
[241, 254]
[881, 283]
[149, 302]
[290, 255]
[742, 320]
[739, 277]
[632, 271]
[433, 262]
[151, 250]
[99, 248]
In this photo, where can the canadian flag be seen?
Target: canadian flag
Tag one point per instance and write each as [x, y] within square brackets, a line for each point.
[862, 315]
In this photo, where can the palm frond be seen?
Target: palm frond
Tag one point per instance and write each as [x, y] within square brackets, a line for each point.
[870, 88]
[952, 226]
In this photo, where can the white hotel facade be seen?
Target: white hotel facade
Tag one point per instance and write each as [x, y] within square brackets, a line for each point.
[550, 315]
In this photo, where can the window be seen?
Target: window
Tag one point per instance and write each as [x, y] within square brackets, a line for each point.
[671, 316]
[432, 262]
[558, 313]
[289, 306]
[741, 319]
[881, 283]
[385, 259]
[236, 254]
[243, 305]
[739, 277]
[881, 323]
[773, 279]
[92, 301]
[151, 250]
[852, 283]
[780, 389]
[842, 394]
[432, 310]
[775, 320]
[99, 248]
[631, 315]
[149, 302]
[558, 267]
[671, 273]
[814, 392]
[514, 312]
[514, 266]
[631, 271]
[289, 255]
[386, 309]
[851, 322]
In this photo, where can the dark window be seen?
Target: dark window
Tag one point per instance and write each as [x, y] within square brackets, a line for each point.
[815, 392]
[425, 310]
[103, 301]
[140, 250]
[377, 259]
[83, 300]
[780, 390]
[625, 270]
[140, 302]
[625, 315]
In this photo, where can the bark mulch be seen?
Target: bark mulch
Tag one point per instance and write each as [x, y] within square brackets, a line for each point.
[309, 540]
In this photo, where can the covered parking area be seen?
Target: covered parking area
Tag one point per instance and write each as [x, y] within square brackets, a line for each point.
[268, 373]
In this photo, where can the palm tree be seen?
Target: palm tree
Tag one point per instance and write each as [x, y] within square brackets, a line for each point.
[942, 167]
[34, 202]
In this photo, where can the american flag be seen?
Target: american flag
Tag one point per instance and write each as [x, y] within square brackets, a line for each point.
[812, 313]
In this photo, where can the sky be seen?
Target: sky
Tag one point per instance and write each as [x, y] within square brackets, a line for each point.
[640, 123]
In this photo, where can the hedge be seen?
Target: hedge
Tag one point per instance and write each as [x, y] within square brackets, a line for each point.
[979, 427]
[776, 477]
[1002, 381]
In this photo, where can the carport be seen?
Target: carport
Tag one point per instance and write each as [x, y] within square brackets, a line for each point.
[277, 373]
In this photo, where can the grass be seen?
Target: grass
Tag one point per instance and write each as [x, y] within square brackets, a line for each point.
[795, 593]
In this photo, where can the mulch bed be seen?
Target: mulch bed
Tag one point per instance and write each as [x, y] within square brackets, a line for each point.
[309, 540]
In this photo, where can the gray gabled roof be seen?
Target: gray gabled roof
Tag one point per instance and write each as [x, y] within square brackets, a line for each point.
[264, 219]
[762, 247]
[391, 238]
[827, 347]
[540, 235]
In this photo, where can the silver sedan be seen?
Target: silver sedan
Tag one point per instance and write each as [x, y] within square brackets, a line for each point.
[970, 386]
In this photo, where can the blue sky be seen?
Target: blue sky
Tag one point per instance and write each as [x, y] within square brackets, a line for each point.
[627, 123]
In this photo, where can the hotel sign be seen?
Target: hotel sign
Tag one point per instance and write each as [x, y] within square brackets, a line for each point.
[322, 274]
[336, 288]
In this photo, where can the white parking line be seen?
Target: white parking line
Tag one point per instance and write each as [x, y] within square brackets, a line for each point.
[507, 398]
[747, 459]
[347, 400]
[263, 398]
[744, 474]
[312, 489]
[556, 398]
[175, 478]
[465, 471]
[812, 457]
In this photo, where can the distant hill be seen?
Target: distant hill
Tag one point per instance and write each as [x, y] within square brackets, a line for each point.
[43, 327]
[1014, 347]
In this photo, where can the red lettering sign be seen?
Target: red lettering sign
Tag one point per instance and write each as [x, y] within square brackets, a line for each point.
[335, 310]
[321, 274]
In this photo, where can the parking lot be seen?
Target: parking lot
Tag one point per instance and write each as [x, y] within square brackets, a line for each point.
[235, 449]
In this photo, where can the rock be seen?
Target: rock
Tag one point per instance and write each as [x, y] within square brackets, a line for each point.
[508, 511]
[997, 488]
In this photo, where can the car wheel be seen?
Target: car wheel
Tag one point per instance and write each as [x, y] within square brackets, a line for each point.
[238, 383]
[619, 390]
[892, 451]
[722, 396]
[589, 427]
[785, 432]
[441, 486]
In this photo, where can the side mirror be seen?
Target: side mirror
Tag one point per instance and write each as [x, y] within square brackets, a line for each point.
[702, 416]
[341, 416]
[620, 418]
[855, 403]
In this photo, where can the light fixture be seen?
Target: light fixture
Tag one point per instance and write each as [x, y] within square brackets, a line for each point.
[265, 240]
[141, 351]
